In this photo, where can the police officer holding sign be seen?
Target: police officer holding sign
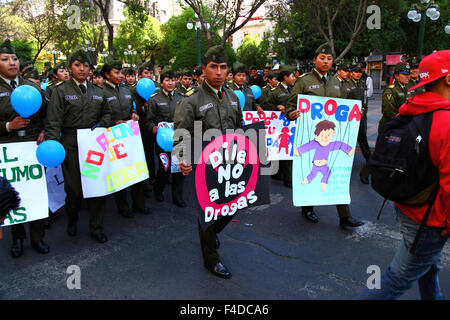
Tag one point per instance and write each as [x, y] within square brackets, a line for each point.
[77, 104]
[215, 105]
[14, 128]
[319, 83]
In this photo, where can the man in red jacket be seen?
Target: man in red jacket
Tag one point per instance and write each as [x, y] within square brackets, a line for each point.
[424, 264]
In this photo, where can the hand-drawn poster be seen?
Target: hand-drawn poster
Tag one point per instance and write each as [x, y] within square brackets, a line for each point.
[324, 147]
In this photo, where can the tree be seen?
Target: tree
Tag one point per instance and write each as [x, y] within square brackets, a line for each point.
[104, 6]
[253, 51]
[23, 49]
[227, 15]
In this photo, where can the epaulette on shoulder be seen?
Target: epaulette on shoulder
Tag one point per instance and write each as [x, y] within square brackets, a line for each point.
[273, 89]
[301, 76]
[391, 86]
[154, 94]
[59, 83]
[190, 92]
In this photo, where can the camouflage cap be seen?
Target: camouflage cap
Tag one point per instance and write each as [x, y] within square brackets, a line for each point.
[239, 67]
[324, 48]
[216, 54]
[78, 55]
[7, 47]
[403, 68]
[31, 73]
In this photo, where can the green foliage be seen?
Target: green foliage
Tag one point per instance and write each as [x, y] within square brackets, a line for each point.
[24, 49]
[253, 51]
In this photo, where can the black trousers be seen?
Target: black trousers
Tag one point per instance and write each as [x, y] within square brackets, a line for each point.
[37, 230]
[362, 138]
[163, 175]
[73, 189]
[137, 197]
[148, 140]
[208, 240]
[342, 209]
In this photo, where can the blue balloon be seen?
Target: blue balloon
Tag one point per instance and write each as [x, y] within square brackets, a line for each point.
[164, 138]
[241, 98]
[256, 91]
[26, 100]
[50, 153]
[44, 86]
[145, 87]
[134, 105]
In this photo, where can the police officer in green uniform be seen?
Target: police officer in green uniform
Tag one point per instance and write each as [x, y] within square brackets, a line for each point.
[130, 77]
[358, 92]
[97, 79]
[61, 74]
[14, 128]
[217, 107]
[319, 83]
[277, 101]
[272, 82]
[239, 80]
[33, 76]
[77, 104]
[120, 102]
[414, 79]
[185, 83]
[343, 76]
[395, 94]
[162, 107]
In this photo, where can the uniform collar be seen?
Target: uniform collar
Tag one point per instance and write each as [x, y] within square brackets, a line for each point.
[213, 89]
[284, 85]
[9, 81]
[167, 93]
[78, 83]
[319, 74]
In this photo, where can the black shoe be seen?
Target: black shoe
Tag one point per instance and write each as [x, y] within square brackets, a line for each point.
[288, 184]
[159, 197]
[100, 237]
[142, 210]
[180, 203]
[40, 246]
[72, 230]
[350, 222]
[47, 223]
[217, 242]
[364, 180]
[311, 216]
[126, 214]
[219, 270]
[17, 248]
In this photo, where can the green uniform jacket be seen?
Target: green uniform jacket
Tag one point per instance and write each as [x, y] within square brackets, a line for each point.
[411, 84]
[7, 114]
[393, 97]
[312, 84]
[357, 92]
[264, 93]
[250, 103]
[69, 109]
[181, 89]
[277, 96]
[345, 85]
[119, 101]
[161, 108]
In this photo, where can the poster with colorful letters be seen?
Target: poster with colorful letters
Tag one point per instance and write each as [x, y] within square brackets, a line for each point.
[111, 159]
[324, 147]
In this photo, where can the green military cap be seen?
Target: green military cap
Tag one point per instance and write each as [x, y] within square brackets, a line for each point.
[25, 64]
[98, 71]
[273, 74]
[239, 67]
[357, 67]
[287, 68]
[31, 73]
[60, 65]
[414, 63]
[216, 54]
[402, 67]
[324, 48]
[7, 47]
[111, 62]
[186, 72]
[130, 71]
[78, 55]
[167, 72]
[146, 66]
[27, 68]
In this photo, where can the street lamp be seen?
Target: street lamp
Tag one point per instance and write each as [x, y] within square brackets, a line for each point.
[54, 52]
[417, 13]
[103, 55]
[284, 40]
[198, 26]
[89, 49]
[130, 52]
[447, 28]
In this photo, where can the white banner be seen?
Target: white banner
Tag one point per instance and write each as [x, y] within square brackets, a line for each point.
[280, 133]
[111, 159]
[21, 168]
[55, 187]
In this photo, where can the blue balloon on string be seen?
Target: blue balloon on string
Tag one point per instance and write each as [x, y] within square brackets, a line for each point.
[241, 98]
[50, 153]
[26, 100]
[145, 87]
[164, 138]
[134, 105]
[44, 86]
[256, 90]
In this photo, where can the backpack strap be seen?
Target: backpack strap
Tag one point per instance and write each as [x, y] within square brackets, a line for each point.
[425, 218]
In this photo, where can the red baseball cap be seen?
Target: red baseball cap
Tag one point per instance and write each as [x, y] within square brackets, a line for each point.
[433, 67]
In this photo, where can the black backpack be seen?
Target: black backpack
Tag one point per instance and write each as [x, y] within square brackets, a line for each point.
[401, 166]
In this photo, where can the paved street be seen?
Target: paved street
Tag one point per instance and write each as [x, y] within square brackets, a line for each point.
[272, 252]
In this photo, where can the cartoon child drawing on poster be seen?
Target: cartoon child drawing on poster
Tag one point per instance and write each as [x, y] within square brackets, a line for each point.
[324, 132]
